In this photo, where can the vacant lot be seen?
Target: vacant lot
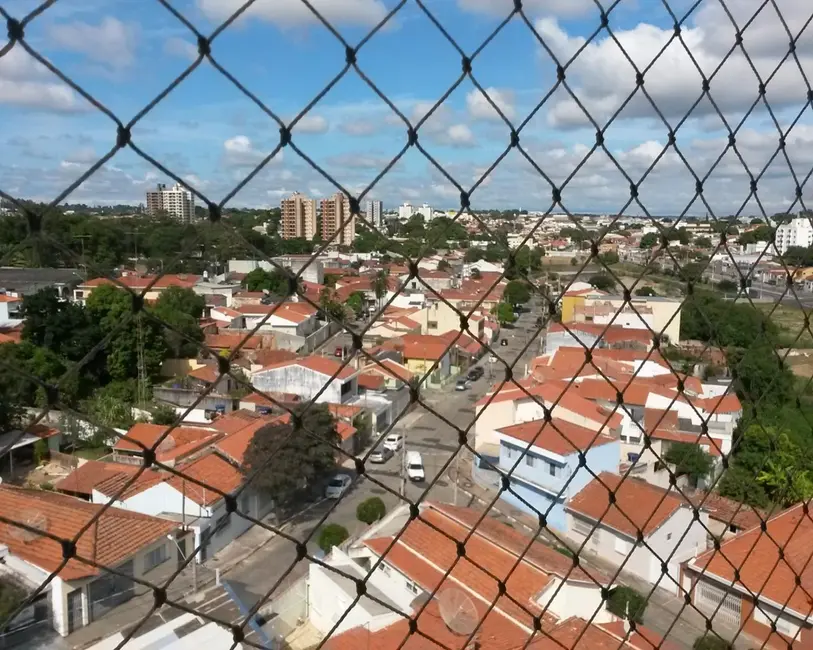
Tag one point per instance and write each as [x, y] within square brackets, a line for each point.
[790, 321]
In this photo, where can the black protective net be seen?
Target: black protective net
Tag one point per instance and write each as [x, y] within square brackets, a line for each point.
[692, 530]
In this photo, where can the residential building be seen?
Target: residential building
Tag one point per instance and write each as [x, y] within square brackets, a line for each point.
[295, 318]
[757, 580]
[655, 528]
[149, 286]
[202, 510]
[429, 355]
[307, 377]
[338, 223]
[176, 201]
[430, 281]
[297, 217]
[799, 232]
[405, 211]
[170, 448]
[308, 268]
[544, 461]
[77, 592]
[25, 281]
[425, 211]
[592, 335]
[422, 559]
[10, 310]
[374, 212]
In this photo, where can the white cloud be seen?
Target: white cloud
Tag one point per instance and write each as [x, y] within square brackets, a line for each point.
[360, 128]
[480, 109]
[240, 151]
[26, 82]
[180, 47]
[82, 156]
[603, 78]
[311, 124]
[293, 13]
[504, 7]
[457, 135]
[111, 42]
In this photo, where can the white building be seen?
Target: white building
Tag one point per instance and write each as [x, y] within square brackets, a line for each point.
[177, 201]
[664, 519]
[374, 211]
[425, 211]
[798, 232]
[307, 377]
[405, 211]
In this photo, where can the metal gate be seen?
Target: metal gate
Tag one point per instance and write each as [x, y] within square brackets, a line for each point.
[709, 598]
[110, 591]
[75, 611]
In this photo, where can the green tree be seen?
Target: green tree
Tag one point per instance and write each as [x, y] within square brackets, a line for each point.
[181, 300]
[275, 282]
[40, 452]
[702, 242]
[474, 255]
[355, 302]
[517, 292]
[689, 460]
[627, 603]
[609, 258]
[443, 265]
[286, 458]
[710, 641]
[332, 535]
[504, 313]
[692, 272]
[728, 286]
[59, 325]
[163, 414]
[180, 309]
[371, 510]
[649, 240]
[380, 285]
[645, 291]
[761, 376]
[110, 307]
[602, 281]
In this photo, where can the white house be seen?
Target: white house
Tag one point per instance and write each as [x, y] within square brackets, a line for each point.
[133, 544]
[306, 377]
[10, 307]
[663, 518]
[296, 318]
[202, 510]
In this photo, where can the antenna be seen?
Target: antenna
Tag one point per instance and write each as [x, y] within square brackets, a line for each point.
[458, 611]
[33, 519]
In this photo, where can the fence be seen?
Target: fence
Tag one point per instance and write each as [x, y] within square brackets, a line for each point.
[699, 112]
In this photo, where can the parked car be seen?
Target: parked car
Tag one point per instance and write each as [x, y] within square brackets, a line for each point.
[462, 384]
[475, 373]
[415, 467]
[381, 454]
[394, 441]
[338, 486]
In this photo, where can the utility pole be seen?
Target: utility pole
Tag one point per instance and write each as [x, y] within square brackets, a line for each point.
[456, 475]
[82, 239]
[403, 468]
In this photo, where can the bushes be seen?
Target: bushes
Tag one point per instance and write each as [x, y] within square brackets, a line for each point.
[41, 453]
[710, 641]
[371, 510]
[627, 603]
[332, 535]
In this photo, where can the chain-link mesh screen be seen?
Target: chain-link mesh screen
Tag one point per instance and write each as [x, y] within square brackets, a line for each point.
[518, 429]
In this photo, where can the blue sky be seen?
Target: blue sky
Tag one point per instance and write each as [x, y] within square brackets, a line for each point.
[126, 52]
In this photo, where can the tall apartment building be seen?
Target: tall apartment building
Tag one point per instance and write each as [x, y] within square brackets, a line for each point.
[798, 232]
[336, 216]
[405, 211]
[177, 201]
[425, 211]
[297, 217]
[374, 210]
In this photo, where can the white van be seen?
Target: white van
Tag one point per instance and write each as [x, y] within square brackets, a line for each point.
[414, 466]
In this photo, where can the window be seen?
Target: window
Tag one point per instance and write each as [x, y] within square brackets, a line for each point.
[432, 324]
[582, 527]
[553, 470]
[384, 568]
[155, 557]
[668, 536]
[529, 460]
[413, 587]
[622, 546]
[766, 616]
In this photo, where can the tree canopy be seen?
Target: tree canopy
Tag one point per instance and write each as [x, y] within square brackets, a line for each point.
[602, 281]
[517, 292]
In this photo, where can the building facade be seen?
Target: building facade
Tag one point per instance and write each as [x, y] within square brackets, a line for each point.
[177, 201]
[297, 217]
[338, 223]
[374, 212]
[799, 232]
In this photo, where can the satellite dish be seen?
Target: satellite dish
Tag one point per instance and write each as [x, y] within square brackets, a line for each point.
[458, 611]
[32, 519]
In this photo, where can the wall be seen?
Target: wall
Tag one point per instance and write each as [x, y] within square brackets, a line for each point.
[555, 340]
[490, 418]
[422, 366]
[156, 499]
[662, 311]
[575, 599]
[303, 382]
[569, 304]
[528, 410]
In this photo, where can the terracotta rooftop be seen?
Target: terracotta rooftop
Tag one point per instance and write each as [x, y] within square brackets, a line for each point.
[211, 470]
[322, 365]
[740, 515]
[231, 341]
[638, 505]
[115, 536]
[208, 374]
[424, 346]
[180, 440]
[761, 569]
[609, 333]
[87, 476]
[140, 282]
[557, 436]
[234, 445]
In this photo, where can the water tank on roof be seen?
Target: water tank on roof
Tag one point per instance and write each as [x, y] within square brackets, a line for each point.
[632, 456]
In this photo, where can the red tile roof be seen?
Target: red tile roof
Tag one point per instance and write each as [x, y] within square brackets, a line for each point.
[180, 441]
[762, 571]
[371, 381]
[208, 374]
[123, 486]
[638, 505]
[322, 365]
[609, 333]
[235, 421]
[115, 536]
[91, 473]
[557, 436]
[211, 470]
[140, 282]
[270, 357]
[424, 346]
[729, 511]
[231, 341]
[235, 444]
[344, 411]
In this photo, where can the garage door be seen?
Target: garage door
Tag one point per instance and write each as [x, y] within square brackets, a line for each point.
[724, 607]
[110, 591]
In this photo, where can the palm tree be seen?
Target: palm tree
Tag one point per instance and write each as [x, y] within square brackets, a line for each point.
[380, 285]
